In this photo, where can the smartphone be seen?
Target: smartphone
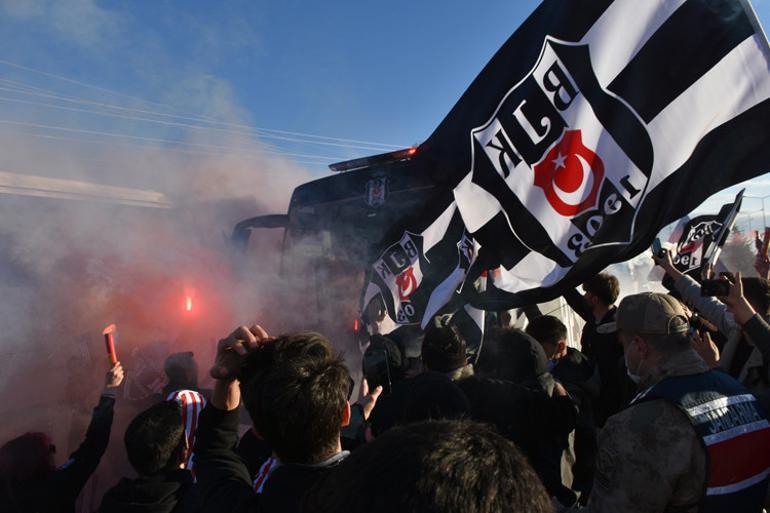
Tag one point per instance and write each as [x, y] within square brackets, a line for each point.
[696, 325]
[376, 367]
[657, 248]
[718, 287]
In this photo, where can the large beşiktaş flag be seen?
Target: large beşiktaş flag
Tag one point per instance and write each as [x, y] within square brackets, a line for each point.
[596, 124]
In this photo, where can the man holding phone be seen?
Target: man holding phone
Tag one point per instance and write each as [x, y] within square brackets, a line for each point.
[741, 358]
[694, 439]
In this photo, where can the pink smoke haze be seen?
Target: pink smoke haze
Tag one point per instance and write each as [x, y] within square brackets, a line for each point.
[70, 267]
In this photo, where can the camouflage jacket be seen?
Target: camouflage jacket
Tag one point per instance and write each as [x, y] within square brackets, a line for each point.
[650, 458]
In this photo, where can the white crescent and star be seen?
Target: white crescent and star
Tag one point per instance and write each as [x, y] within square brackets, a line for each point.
[586, 185]
[558, 162]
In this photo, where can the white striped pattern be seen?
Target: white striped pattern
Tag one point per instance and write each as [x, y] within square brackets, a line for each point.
[722, 402]
[629, 24]
[736, 431]
[708, 103]
[192, 403]
[711, 101]
[737, 487]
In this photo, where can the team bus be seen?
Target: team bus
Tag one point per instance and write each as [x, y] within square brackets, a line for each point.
[333, 225]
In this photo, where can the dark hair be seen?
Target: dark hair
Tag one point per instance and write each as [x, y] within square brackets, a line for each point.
[25, 463]
[547, 329]
[757, 292]
[155, 441]
[440, 466]
[443, 349]
[182, 368]
[512, 355]
[26, 457]
[434, 396]
[604, 286]
[295, 391]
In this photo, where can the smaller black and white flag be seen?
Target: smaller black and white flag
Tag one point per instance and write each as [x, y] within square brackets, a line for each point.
[421, 272]
[421, 275]
[697, 236]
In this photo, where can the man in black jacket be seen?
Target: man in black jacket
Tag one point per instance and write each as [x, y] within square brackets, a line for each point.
[432, 393]
[580, 377]
[435, 466]
[37, 485]
[296, 392]
[600, 342]
[514, 391]
[157, 449]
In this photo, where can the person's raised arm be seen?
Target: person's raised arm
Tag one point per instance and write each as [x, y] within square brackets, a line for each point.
[736, 302]
[223, 478]
[744, 314]
[705, 347]
[72, 476]
[578, 303]
[231, 353]
[665, 262]
[708, 307]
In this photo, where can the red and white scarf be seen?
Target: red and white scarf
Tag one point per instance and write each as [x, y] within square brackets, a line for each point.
[192, 403]
[264, 472]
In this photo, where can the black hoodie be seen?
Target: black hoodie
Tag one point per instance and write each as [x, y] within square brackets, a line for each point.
[516, 358]
[580, 377]
[166, 493]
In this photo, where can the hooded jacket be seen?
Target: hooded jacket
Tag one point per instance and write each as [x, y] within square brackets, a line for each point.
[173, 492]
[59, 490]
[516, 357]
[520, 403]
[580, 377]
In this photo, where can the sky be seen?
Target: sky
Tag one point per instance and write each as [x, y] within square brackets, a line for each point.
[306, 82]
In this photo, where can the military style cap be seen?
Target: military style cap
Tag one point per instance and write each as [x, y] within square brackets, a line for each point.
[651, 313]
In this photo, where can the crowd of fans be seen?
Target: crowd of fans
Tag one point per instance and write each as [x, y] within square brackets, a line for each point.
[661, 410]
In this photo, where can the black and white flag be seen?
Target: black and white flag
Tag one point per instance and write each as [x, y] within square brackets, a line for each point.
[596, 124]
[697, 241]
[696, 238]
[419, 275]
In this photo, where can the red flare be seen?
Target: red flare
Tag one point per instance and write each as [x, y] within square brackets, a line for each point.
[109, 343]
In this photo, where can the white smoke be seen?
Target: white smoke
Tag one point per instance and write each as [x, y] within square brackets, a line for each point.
[77, 253]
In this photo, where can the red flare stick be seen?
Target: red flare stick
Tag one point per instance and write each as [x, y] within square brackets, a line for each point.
[109, 343]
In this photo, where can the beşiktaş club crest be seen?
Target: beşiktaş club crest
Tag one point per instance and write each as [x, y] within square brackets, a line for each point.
[400, 270]
[376, 191]
[692, 245]
[413, 282]
[565, 153]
